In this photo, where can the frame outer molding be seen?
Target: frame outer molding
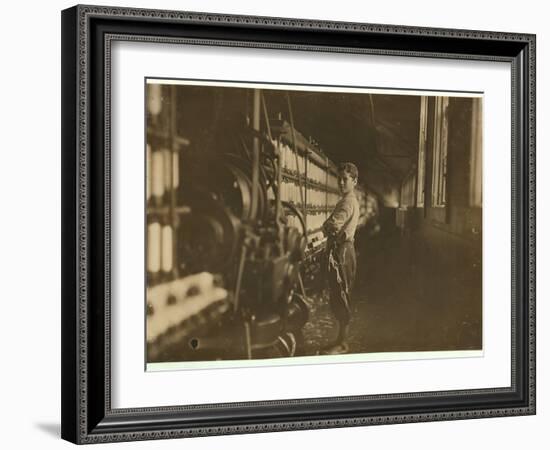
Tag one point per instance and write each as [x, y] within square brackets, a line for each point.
[76, 205]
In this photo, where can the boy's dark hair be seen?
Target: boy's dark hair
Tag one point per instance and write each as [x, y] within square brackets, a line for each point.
[350, 169]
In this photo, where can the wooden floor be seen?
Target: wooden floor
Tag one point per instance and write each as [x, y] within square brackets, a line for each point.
[408, 297]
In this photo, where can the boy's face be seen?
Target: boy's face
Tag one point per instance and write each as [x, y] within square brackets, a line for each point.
[346, 183]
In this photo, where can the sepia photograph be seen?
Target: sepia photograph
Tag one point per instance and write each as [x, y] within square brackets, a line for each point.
[272, 224]
[296, 224]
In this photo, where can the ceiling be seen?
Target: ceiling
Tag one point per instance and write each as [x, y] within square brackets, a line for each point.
[377, 132]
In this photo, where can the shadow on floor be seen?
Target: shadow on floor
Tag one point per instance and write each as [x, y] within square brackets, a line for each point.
[52, 429]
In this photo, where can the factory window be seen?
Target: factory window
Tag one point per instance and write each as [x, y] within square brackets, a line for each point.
[422, 152]
[476, 154]
[407, 191]
[439, 166]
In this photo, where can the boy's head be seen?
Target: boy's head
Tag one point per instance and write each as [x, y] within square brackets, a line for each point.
[347, 177]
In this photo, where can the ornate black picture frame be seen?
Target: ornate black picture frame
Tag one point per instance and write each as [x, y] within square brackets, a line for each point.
[87, 35]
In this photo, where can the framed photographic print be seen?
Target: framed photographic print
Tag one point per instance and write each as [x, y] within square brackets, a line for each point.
[267, 222]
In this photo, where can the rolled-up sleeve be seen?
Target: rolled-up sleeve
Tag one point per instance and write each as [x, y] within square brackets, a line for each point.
[339, 217]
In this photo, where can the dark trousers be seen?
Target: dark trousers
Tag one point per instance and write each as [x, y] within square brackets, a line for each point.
[342, 266]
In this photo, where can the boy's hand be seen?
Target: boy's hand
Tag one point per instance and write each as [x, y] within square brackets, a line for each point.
[328, 230]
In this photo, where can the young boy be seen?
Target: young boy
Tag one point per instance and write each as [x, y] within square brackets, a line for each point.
[340, 231]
